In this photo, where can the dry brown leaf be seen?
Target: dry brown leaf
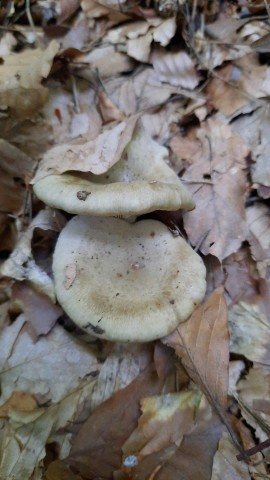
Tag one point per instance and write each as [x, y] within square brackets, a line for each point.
[15, 172]
[96, 450]
[139, 36]
[175, 68]
[218, 182]
[122, 365]
[95, 156]
[139, 92]
[249, 332]
[58, 471]
[20, 401]
[192, 460]
[237, 273]
[106, 61]
[165, 420]
[226, 466]
[258, 220]
[40, 313]
[255, 131]
[20, 80]
[237, 85]
[253, 394]
[202, 344]
[21, 264]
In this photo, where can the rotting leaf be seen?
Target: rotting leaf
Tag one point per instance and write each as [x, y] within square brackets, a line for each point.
[225, 463]
[202, 344]
[258, 220]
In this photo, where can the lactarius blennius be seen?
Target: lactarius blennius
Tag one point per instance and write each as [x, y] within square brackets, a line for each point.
[126, 282]
[141, 182]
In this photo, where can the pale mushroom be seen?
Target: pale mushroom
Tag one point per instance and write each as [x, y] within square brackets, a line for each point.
[126, 282]
[140, 182]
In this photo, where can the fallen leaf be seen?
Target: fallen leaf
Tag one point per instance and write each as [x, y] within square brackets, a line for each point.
[218, 182]
[175, 68]
[255, 131]
[96, 449]
[235, 89]
[20, 401]
[40, 313]
[21, 74]
[165, 420]
[249, 332]
[16, 168]
[191, 460]
[21, 265]
[225, 465]
[95, 156]
[258, 220]
[202, 345]
[58, 471]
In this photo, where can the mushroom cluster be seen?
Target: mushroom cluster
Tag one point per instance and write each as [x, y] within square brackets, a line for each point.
[118, 280]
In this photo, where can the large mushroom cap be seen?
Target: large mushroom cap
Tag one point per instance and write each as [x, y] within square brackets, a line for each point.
[140, 182]
[126, 282]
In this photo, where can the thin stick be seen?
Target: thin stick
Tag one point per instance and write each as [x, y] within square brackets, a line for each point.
[253, 450]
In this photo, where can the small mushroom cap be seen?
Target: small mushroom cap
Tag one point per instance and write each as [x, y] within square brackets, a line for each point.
[140, 182]
[126, 282]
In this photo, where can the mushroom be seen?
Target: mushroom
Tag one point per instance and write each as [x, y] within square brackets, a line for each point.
[140, 182]
[126, 282]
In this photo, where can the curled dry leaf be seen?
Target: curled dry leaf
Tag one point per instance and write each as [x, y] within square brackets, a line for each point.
[20, 80]
[175, 68]
[139, 36]
[258, 220]
[217, 180]
[95, 156]
[202, 344]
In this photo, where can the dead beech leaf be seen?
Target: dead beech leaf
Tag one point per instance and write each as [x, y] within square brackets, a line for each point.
[202, 344]
[217, 180]
[21, 264]
[58, 471]
[191, 460]
[226, 465]
[165, 420]
[237, 86]
[16, 168]
[258, 220]
[20, 80]
[96, 450]
[95, 156]
[70, 274]
[21, 401]
[249, 332]
[38, 308]
[175, 68]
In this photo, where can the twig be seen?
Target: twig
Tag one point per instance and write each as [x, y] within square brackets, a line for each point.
[253, 450]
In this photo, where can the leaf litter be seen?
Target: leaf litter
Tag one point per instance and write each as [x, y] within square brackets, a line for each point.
[77, 80]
